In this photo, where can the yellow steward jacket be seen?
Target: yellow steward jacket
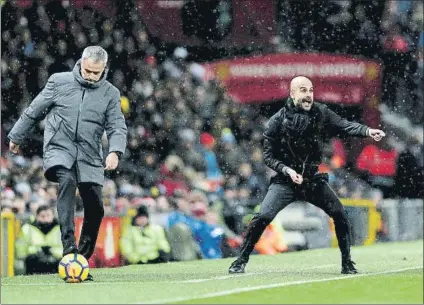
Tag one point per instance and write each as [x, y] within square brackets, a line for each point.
[143, 244]
[31, 239]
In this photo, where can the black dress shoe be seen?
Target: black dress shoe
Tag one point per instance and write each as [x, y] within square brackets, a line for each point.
[348, 267]
[70, 249]
[237, 266]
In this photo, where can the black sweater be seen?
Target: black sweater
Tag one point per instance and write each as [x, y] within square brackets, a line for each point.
[294, 137]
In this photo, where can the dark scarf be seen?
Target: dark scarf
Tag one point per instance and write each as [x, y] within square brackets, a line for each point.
[45, 227]
[298, 122]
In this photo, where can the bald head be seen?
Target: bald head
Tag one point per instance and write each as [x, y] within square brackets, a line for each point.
[302, 92]
[299, 81]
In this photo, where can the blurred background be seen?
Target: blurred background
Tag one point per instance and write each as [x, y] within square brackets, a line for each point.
[198, 81]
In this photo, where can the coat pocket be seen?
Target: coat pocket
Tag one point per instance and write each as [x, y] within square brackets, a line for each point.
[50, 133]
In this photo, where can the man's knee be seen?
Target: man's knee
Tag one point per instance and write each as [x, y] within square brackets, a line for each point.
[97, 209]
[67, 181]
[101, 211]
[339, 217]
[264, 218]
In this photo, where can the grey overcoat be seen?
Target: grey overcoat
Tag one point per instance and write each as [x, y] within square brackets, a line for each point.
[78, 112]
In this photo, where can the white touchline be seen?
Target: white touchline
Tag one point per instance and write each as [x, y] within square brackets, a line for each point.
[221, 277]
[247, 289]
[224, 277]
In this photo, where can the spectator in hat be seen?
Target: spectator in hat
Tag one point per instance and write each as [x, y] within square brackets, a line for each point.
[172, 172]
[39, 243]
[207, 142]
[143, 242]
[229, 154]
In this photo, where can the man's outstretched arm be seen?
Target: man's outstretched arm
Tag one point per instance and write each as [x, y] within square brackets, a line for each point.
[344, 126]
[35, 112]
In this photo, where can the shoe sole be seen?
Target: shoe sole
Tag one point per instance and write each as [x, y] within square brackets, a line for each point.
[88, 280]
[235, 272]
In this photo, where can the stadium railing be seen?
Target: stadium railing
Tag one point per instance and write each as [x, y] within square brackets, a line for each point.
[8, 233]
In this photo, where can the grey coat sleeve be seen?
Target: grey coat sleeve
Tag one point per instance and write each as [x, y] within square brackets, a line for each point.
[271, 144]
[343, 126]
[35, 112]
[115, 126]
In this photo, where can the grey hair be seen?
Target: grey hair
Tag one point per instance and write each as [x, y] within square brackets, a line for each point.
[96, 53]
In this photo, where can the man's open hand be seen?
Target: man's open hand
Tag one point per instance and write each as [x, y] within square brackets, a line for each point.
[112, 161]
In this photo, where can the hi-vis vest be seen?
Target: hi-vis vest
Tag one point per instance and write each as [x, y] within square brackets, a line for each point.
[31, 239]
[143, 245]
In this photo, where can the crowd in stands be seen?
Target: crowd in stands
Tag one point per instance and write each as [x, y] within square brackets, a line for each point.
[193, 156]
[390, 31]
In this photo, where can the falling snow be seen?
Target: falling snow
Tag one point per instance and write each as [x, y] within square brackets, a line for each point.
[193, 148]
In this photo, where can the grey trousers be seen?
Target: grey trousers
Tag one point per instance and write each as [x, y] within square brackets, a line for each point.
[280, 195]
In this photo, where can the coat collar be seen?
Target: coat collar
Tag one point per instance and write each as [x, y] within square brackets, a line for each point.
[290, 106]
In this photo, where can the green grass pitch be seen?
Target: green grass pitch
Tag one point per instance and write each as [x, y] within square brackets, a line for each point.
[389, 273]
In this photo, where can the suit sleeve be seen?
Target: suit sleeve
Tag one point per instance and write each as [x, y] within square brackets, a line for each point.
[35, 112]
[115, 126]
[271, 144]
[342, 126]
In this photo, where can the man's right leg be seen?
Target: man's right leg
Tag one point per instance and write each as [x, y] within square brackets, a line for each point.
[277, 198]
[322, 196]
[91, 195]
[66, 199]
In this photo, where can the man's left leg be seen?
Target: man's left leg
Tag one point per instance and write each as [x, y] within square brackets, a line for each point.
[322, 196]
[91, 194]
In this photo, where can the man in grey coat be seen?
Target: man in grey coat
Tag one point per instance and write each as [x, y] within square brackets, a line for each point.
[80, 106]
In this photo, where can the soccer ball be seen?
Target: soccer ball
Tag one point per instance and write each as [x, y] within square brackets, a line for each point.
[73, 268]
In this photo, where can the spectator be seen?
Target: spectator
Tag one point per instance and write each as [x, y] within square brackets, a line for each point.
[213, 172]
[229, 154]
[143, 242]
[409, 179]
[39, 243]
[193, 214]
[186, 150]
[173, 175]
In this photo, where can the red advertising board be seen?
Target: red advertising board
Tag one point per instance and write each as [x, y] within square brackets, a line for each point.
[107, 253]
[337, 79]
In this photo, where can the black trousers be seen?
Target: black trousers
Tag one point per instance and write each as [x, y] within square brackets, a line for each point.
[91, 194]
[281, 195]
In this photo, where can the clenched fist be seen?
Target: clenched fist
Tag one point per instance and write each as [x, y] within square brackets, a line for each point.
[14, 148]
[376, 134]
[298, 179]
